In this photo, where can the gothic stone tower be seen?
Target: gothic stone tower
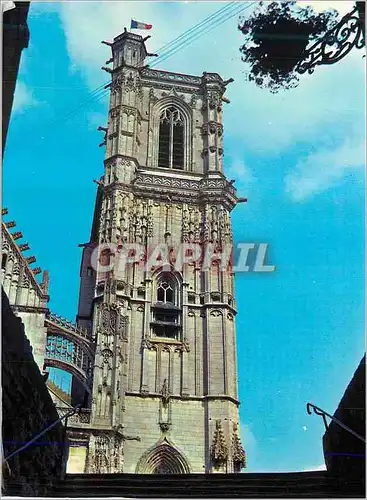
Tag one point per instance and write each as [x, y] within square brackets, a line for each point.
[164, 397]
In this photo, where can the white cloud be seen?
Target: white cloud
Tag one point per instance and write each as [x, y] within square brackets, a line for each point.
[257, 121]
[23, 98]
[238, 170]
[88, 23]
[321, 5]
[321, 170]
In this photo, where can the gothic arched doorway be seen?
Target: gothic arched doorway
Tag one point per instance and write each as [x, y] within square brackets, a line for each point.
[163, 458]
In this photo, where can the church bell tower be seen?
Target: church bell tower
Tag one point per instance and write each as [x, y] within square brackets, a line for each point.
[164, 395]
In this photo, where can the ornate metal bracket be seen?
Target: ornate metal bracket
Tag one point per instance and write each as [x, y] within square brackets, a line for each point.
[336, 44]
[318, 411]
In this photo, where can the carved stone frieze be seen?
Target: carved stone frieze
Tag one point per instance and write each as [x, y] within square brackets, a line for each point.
[167, 86]
[176, 77]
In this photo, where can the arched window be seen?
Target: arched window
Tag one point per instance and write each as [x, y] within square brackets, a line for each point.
[171, 139]
[165, 292]
[166, 319]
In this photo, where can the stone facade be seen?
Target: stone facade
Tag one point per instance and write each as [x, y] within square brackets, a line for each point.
[164, 375]
[28, 298]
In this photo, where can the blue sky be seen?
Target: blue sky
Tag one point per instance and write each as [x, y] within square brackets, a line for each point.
[299, 158]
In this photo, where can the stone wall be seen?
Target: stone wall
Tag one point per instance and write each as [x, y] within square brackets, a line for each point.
[27, 409]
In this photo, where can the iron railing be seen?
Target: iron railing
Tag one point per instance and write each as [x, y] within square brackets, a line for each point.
[320, 412]
[81, 417]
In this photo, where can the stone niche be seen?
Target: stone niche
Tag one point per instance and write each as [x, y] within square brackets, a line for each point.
[27, 409]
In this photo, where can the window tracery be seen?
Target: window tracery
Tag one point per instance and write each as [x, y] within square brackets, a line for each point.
[166, 315]
[171, 152]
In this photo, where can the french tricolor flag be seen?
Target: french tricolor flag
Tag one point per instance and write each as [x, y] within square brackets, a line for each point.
[135, 25]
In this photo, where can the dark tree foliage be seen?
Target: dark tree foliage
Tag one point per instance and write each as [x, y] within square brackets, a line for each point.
[276, 36]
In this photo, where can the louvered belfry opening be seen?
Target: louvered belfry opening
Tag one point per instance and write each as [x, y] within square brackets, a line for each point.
[166, 321]
[171, 139]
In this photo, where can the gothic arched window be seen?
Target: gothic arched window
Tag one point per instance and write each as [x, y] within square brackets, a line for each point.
[166, 309]
[171, 139]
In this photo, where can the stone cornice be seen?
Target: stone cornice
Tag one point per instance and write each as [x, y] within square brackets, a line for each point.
[154, 186]
[31, 309]
[216, 305]
[219, 397]
[23, 261]
[114, 158]
[129, 36]
[205, 190]
[159, 75]
[180, 78]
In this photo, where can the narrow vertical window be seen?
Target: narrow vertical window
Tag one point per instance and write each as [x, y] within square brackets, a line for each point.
[164, 146]
[171, 139]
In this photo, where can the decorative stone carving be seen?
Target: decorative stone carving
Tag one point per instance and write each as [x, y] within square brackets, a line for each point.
[164, 75]
[164, 426]
[216, 313]
[116, 84]
[238, 453]
[122, 327]
[25, 282]
[212, 128]
[146, 344]
[109, 316]
[219, 451]
[152, 97]
[165, 393]
[16, 268]
[99, 459]
[183, 347]
[213, 100]
[129, 84]
[165, 408]
[193, 100]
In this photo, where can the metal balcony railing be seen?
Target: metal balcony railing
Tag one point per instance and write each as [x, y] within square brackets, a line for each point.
[320, 412]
